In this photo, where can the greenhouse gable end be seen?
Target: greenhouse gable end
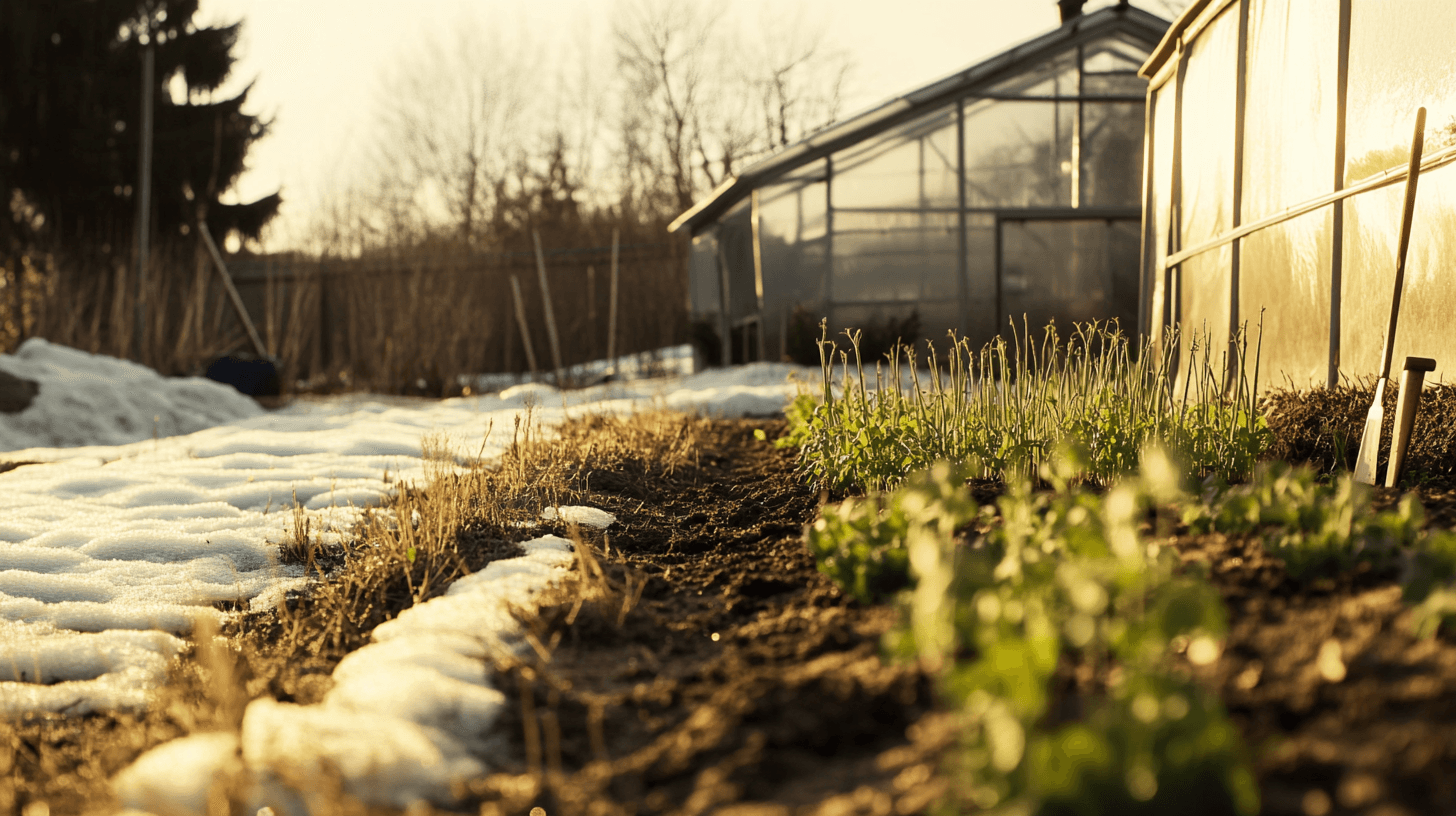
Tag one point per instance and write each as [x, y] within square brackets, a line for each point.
[1010, 190]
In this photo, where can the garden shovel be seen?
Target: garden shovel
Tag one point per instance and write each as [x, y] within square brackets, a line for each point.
[1370, 441]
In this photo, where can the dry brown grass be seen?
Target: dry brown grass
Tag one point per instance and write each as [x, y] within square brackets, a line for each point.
[406, 552]
[407, 320]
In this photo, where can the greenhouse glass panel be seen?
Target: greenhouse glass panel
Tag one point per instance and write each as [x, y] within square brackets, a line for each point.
[1069, 272]
[1289, 118]
[875, 319]
[1372, 230]
[1018, 154]
[1402, 56]
[1112, 154]
[1284, 277]
[1051, 78]
[1208, 131]
[913, 165]
[735, 246]
[937, 319]
[703, 283]
[1113, 54]
[981, 277]
[894, 256]
[1118, 84]
[791, 229]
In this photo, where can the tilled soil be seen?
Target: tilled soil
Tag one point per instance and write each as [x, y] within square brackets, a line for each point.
[1344, 710]
[713, 668]
[742, 682]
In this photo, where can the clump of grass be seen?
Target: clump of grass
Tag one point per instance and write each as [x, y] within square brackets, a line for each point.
[1060, 585]
[1001, 410]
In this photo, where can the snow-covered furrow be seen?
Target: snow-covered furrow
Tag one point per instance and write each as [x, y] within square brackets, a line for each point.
[408, 717]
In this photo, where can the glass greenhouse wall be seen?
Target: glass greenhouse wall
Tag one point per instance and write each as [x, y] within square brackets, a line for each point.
[1279, 140]
[1010, 191]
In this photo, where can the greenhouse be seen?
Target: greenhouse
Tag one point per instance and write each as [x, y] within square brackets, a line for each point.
[1278, 152]
[1009, 191]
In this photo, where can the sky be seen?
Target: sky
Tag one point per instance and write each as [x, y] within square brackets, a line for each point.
[316, 64]
[151, 499]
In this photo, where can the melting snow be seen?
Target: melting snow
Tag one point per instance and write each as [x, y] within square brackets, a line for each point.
[154, 501]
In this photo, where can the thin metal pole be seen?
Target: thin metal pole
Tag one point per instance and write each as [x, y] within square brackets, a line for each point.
[144, 194]
[829, 240]
[1337, 226]
[754, 214]
[725, 320]
[550, 310]
[612, 305]
[1236, 254]
[963, 265]
[521, 323]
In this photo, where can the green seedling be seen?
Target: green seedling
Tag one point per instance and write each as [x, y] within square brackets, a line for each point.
[999, 412]
[1059, 578]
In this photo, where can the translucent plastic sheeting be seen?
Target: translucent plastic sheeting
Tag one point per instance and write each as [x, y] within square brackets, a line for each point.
[735, 244]
[1289, 113]
[704, 288]
[1069, 271]
[913, 165]
[1019, 154]
[1402, 56]
[1112, 154]
[1372, 233]
[895, 256]
[1158, 219]
[1203, 292]
[791, 234]
[1208, 131]
[1284, 274]
[981, 317]
[1055, 76]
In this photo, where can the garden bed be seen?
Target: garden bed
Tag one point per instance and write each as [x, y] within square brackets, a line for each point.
[793, 710]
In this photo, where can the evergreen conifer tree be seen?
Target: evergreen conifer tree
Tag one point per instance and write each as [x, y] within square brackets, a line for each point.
[70, 115]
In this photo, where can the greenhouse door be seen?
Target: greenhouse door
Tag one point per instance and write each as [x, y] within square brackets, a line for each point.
[1067, 270]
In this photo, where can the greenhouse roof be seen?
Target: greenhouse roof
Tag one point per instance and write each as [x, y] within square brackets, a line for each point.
[1120, 18]
[1186, 27]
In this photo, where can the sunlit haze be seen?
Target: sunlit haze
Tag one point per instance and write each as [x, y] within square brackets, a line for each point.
[317, 64]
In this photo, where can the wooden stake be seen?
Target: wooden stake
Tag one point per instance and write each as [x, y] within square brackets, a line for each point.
[612, 313]
[550, 312]
[591, 309]
[232, 291]
[521, 324]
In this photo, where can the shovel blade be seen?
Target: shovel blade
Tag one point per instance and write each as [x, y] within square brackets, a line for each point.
[1370, 440]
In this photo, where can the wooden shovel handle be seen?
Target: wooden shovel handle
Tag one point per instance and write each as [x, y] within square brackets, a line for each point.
[1413, 175]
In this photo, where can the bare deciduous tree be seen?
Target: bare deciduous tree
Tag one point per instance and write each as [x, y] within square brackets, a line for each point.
[452, 122]
[696, 81]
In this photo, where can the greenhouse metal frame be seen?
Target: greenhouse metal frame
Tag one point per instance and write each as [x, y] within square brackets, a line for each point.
[1278, 137]
[1011, 189]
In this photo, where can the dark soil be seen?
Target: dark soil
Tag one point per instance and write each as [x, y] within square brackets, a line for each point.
[739, 681]
[792, 710]
[1375, 732]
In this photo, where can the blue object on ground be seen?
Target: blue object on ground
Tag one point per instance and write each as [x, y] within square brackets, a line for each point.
[250, 375]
